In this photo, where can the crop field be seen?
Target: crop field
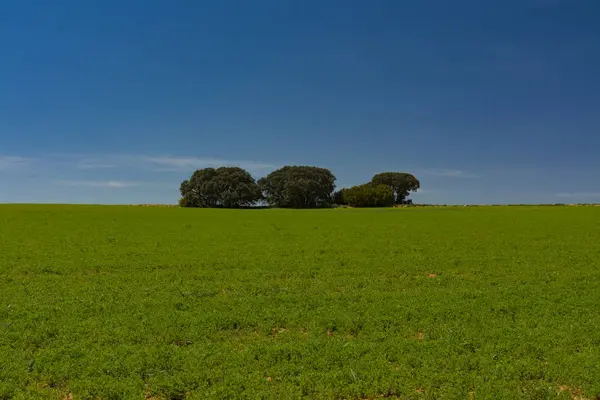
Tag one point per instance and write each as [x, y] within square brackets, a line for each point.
[117, 302]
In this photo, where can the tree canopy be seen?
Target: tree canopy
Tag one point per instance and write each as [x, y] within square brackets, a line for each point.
[339, 197]
[401, 184]
[226, 187]
[368, 195]
[298, 187]
[291, 187]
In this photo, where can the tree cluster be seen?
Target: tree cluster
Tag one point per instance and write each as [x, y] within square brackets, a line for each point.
[369, 195]
[233, 187]
[298, 187]
[384, 190]
[290, 187]
[226, 187]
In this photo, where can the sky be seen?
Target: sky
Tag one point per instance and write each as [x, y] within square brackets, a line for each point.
[119, 101]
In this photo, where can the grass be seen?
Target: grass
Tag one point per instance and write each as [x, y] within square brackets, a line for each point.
[166, 303]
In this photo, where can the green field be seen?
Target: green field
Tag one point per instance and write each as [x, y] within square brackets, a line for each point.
[118, 302]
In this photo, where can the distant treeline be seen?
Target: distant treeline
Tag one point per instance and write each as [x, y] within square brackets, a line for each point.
[291, 187]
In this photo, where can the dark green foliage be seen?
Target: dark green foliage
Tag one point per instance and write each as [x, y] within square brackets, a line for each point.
[298, 187]
[187, 200]
[400, 182]
[225, 187]
[369, 195]
[338, 197]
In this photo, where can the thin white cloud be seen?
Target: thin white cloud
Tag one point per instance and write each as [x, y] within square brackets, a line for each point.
[95, 164]
[449, 173]
[7, 162]
[579, 194]
[101, 184]
[158, 163]
[170, 163]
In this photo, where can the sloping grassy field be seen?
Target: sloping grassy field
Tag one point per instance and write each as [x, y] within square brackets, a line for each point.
[139, 302]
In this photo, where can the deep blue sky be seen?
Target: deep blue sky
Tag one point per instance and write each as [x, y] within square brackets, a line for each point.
[117, 101]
